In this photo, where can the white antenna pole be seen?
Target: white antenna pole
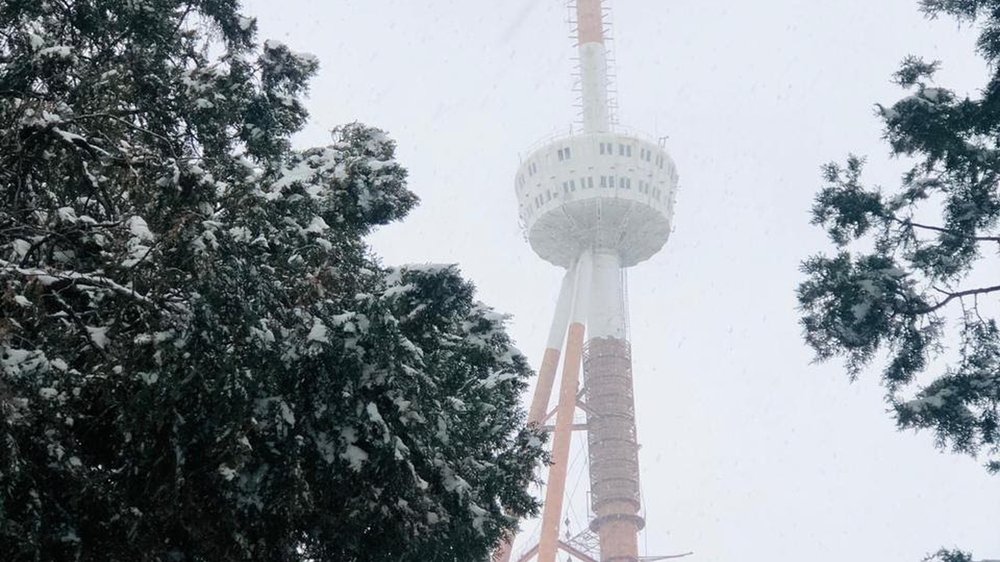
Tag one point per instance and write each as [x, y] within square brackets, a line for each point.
[593, 66]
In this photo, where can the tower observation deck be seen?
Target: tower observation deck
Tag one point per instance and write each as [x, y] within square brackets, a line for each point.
[593, 203]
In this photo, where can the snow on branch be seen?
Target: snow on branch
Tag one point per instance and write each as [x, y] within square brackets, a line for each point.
[46, 277]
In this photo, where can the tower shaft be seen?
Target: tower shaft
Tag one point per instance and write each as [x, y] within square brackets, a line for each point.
[611, 434]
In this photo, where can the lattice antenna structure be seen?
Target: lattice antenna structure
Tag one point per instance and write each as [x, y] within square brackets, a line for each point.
[594, 203]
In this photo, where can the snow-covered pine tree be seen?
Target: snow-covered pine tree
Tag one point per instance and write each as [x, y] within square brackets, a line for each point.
[201, 360]
[917, 265]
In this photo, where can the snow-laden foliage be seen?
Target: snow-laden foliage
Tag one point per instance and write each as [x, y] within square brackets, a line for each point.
[199, 357]
[949, 556]
[916, 266]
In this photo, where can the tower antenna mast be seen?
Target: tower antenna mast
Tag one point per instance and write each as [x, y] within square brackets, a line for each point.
[593, 54]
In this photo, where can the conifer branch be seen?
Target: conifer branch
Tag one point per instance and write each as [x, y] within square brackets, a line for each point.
[945, 230]
[957, 295]
[46, 277]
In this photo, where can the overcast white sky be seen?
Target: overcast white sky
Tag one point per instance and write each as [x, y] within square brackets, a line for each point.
[750, 453]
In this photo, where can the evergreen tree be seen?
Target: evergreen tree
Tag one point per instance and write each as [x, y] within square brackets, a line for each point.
[916, 265]
[200, 359]
[949, 556]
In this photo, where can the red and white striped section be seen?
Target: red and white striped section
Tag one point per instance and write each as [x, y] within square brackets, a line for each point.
[593, 65]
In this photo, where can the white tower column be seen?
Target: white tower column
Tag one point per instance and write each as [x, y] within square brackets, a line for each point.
[607, 305]
[593, 66]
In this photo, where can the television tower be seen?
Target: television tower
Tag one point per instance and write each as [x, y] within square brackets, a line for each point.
[594, 203]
